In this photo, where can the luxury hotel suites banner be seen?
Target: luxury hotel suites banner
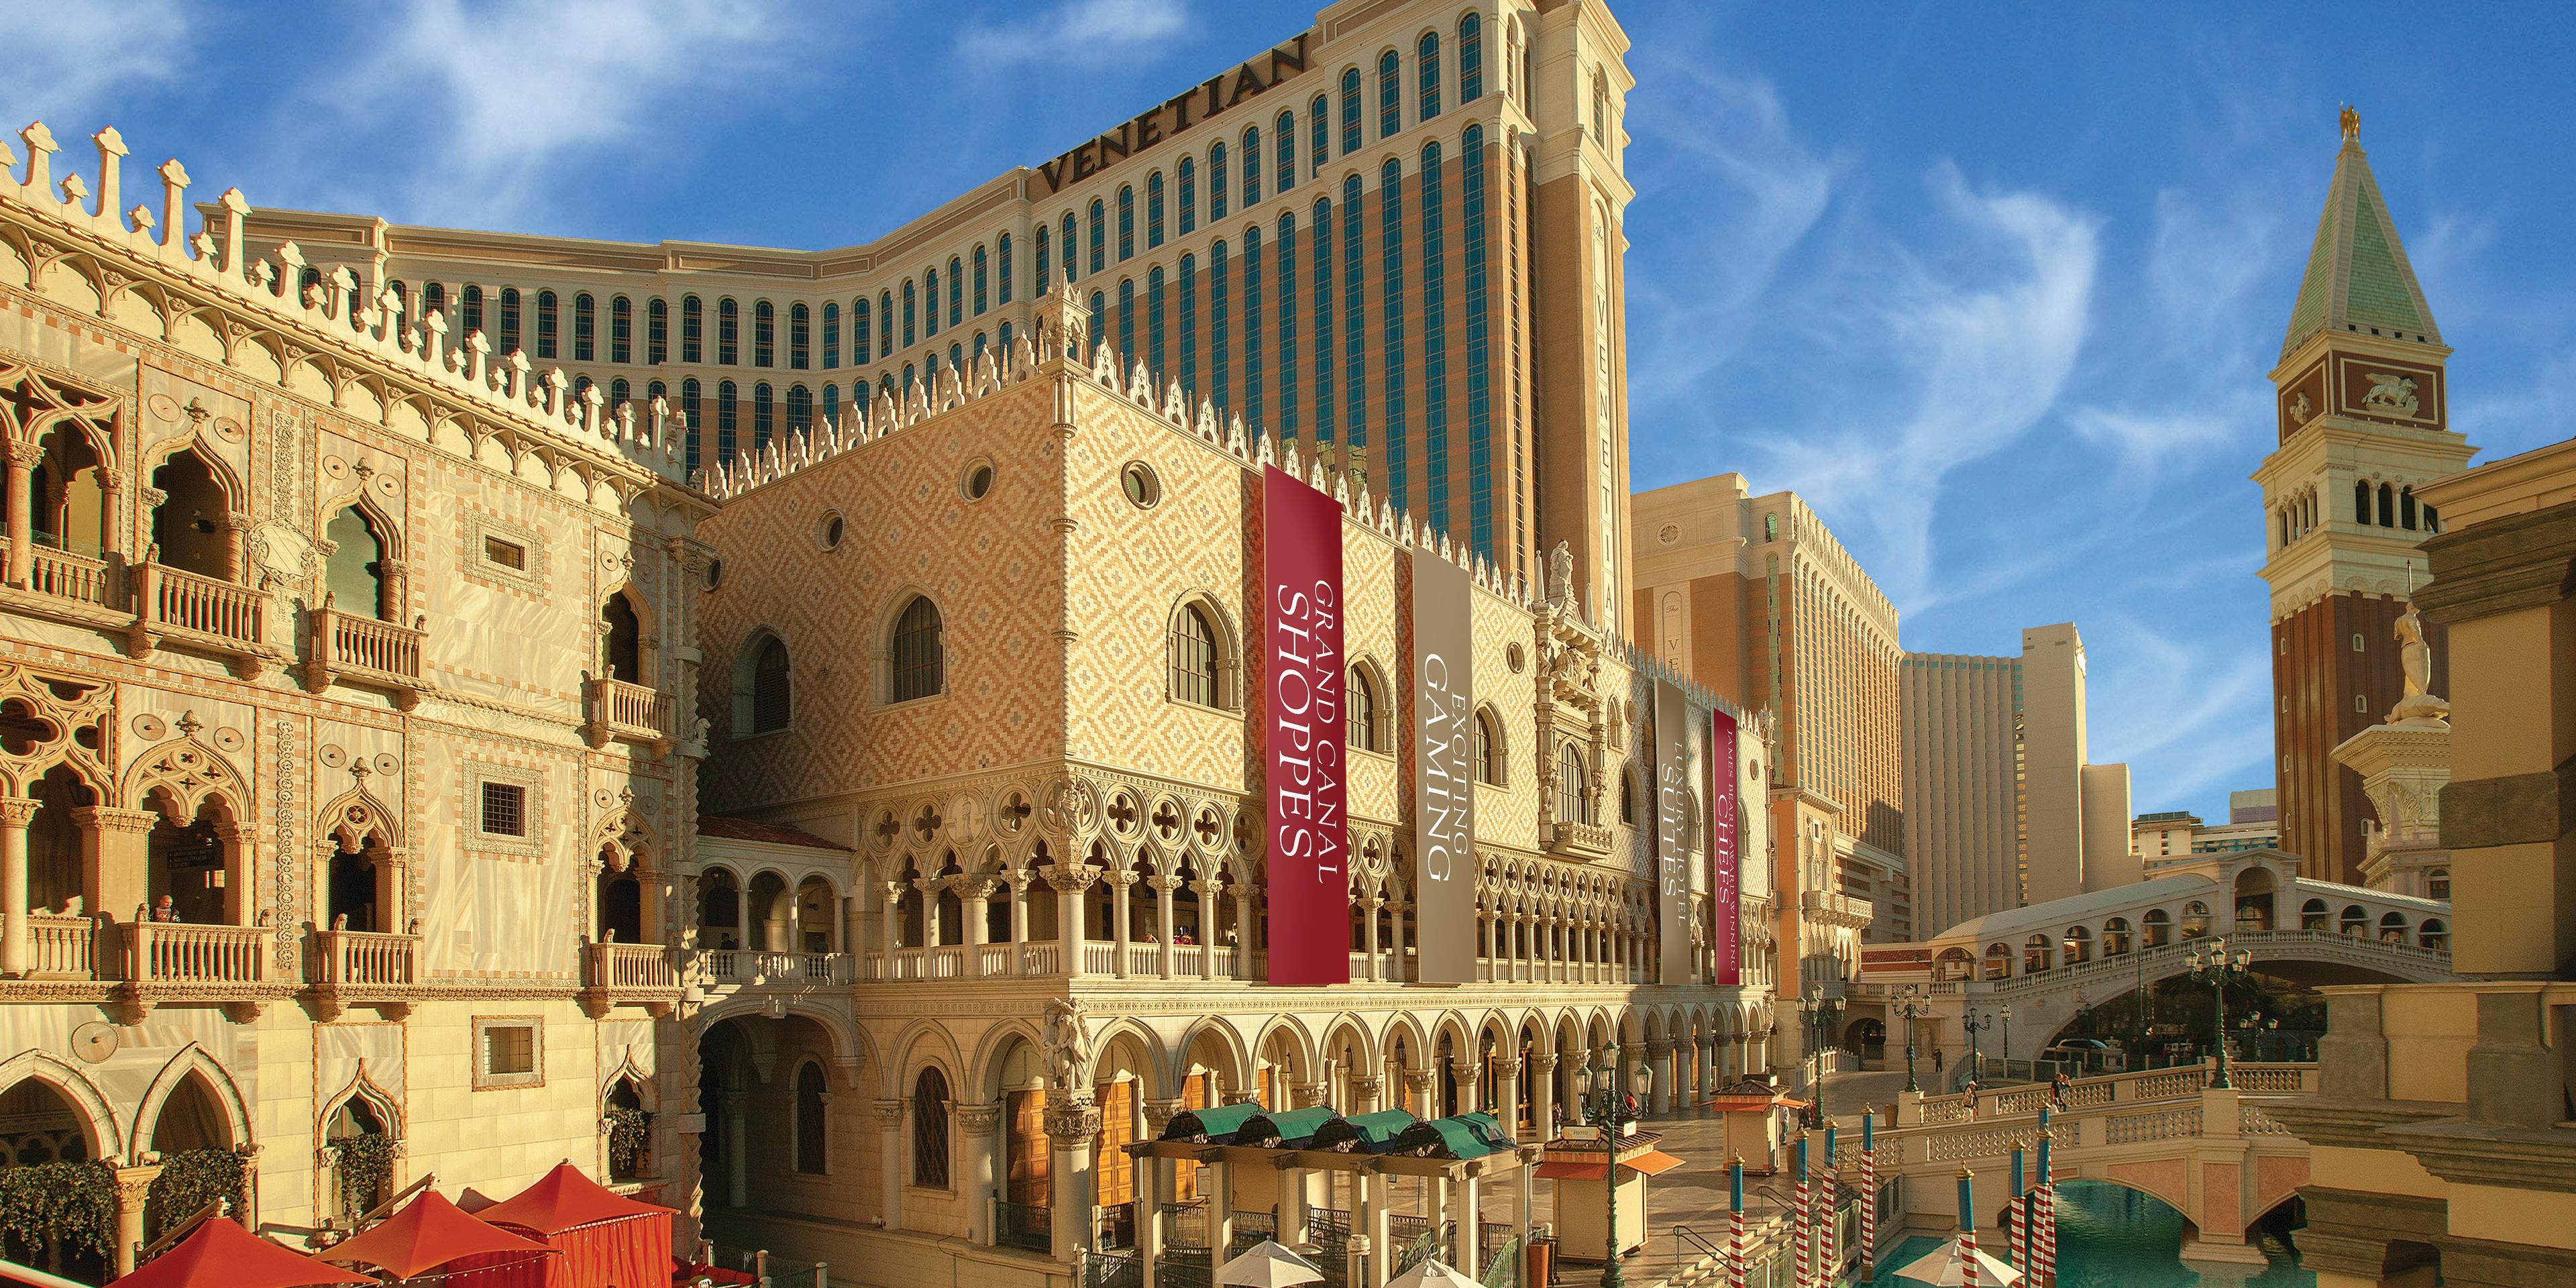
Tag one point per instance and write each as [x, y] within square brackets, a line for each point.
[1725, 879]
[1672, 830]
[1444, 800]
[1302, 713]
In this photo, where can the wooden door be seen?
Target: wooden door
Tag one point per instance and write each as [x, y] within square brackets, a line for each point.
[1025, 1151]
[1114, 1169]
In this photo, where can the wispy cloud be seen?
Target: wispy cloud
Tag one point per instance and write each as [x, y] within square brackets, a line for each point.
[1077, 33]
[66, 61]
[2179, 714]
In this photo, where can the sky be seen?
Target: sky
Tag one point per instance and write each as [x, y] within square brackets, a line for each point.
[1994, 286]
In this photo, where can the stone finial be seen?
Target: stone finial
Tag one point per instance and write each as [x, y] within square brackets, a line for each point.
[111, 169]
[40, 156]
[174, 199]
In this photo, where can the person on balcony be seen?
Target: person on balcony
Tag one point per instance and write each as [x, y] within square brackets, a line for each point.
[164, 910]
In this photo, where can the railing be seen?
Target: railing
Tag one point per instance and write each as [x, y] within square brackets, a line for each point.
[65, 575]
[1029, 1227]
[2154, 1124]
[993, 959]
[168, 952]
[357, 957]
[615, 966]
[1587, 839]
[2265, 943]
[2254, 1122]
[625, 710]
[204, 606]
[62, 947]
[757, 966]
[370, 648]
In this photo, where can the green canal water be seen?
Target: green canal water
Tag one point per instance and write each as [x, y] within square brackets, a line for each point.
[2110, 1237]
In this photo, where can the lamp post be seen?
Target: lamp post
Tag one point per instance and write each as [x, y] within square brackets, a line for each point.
[1822, 1014]
[2217, 968]
[2006, 1015]
[1913, 1004]
[1975, 1023]
[1613, 1109]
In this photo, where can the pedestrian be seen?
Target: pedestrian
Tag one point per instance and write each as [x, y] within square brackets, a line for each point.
[1936, 1061]
[165, 910]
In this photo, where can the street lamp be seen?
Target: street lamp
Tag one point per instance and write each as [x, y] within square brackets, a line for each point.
[1613, 1109]
[1913, 1004]
[1822, 1013]
[2007, 1018]
[1975, 1023]
[2215, 967]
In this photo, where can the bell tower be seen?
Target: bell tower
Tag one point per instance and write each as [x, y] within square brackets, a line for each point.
[2362, 405]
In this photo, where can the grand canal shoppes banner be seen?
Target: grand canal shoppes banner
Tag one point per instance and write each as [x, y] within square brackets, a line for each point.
[1302, 713]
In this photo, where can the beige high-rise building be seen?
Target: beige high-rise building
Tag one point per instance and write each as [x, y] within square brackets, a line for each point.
[2003, 808]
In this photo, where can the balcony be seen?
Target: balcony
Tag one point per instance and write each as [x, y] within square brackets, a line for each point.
[1580, 842]
[356, 967]
[617, 709]
[353, 648]
[633, 974]
[183, 608]
[179, 962]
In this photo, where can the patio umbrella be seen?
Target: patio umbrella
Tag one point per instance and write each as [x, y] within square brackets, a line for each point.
[429, 1234]
[221, 1254]
[1267, 1265]
[1433, 1273]
[1946, 1266]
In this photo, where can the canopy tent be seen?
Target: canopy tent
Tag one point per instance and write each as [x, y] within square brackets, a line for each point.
[1651, 1162]
[608, 1241]
[1948, 1264]
[433, 1232]
[1214, 1123]
[221, 1254]
[1458, 1136]
[1432, 1272]
[1267, 1265]
[1363, 1133]
[1290, 1130]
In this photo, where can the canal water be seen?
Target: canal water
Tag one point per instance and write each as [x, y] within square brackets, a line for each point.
[2111, 1237]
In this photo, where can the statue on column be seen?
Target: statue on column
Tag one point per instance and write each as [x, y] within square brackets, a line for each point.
[1068, 1047]
[2419, 706]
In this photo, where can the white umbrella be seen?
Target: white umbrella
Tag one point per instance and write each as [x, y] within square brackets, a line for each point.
[1267, 1265]
[1946, 1266]
[1433, 1273]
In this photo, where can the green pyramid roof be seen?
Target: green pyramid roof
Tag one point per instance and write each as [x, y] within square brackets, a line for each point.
[2358, 278]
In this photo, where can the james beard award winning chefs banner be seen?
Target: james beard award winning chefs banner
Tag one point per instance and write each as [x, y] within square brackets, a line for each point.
[1302, 669]
[1725, 879]
[1672, 831]
[1444, 800]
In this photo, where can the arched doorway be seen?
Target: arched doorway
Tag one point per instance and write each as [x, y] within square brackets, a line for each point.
[45, 1143]
[719, 911]
[190, 527]
[2255, 888]
[359, 1133]
[625, 642]
[198, 1165]
[193, 866]
[621, 906]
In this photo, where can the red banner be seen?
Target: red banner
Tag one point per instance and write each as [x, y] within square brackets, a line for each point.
[1309, 893]
[1725, 877]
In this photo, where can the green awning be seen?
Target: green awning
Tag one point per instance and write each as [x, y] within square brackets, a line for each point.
[1367, 1134]
[1290, 1130]
[1462, 1137]
[1199, 1126]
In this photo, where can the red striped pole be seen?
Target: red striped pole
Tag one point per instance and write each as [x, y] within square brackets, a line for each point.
[1735, 1223]
[2016, 1219]
[2047, 1231]
[1968, 1228]
[1802, 1223]
[1868, 1195]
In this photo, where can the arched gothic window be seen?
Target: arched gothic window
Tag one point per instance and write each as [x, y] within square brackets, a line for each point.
[1360, 712]
[1426, 74]
[762, 690]
[548, 324]
[1350, 111]
[1573, 801]
[355, 571]
[800, 337]
[930, 1130]
[1488, 750]
[1197, 658]
[919, 655]
[585, 327]
[1390, 96]
[812, 1121]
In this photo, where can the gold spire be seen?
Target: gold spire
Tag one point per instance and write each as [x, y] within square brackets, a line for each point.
[2350, 121]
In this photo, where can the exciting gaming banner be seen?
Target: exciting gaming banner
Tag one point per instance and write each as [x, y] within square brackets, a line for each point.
[1672, 831]
[1444, 800]
[1725, 879]
[1302, 714]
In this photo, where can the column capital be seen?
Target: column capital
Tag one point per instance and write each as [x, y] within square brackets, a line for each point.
[16, 811]
[1658, 1048]
[1306, 1094]
[1159, 1114]
[1366, 1088]
[978, 1118]
[1543, 1062]
[134, 1183]
[1072, 1124]
[1417, 1080]
[1507, 1066]
[890, 1113]
[109, 819]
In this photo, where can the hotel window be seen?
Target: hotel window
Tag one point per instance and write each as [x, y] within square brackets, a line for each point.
[764, 334]
[983, 280]
[1435, 336]
[1600, 108]
[1153, 210]
[656, 390]
[505, 809]
[1359, 732]
[549, 324]
[585, 328]
[1251, 261]
[617, 394]
[1154, 327]
[509, 320]
[1186, 197]
[980, 345]
[621, 330]
[1004, 337]
[1216, 182]
[728, 332]
[693, 327]
[1287, 278]
[1319, 134]
[1426, 74]
[1220, 364]
[1126, 222]
[1194, 657]
[1573, 803]
[800, 409]
[919, 656]
[832, 403]
[1189, 310]
[1321, 226]
[433, 300]
[956, 291]
[860, 340]
[761, 398]
[473, 307]
[1099, 235]
[1126, 323]
[1002, 253]
[1390, 96]
[726, 417]
[1251, 166]
[1480, 421]
[1486, 750]
[657, 331]
[1067, 249]
[831, 334]
[957, 360]
[800, 337]
[689, 391]
[909, 380]
[1099, 331]
[1041, 287]
[402, 305]
[929, 302]
[1354, 321]
[1471, 58]
[1283, 138]
[908, 332]
[1350, 111]
[763, 696]
[508, 1053]
[1390, 189]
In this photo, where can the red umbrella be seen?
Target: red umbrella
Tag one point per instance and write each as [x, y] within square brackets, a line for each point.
[221, 1254]
[428, 1234]
[562, 1199]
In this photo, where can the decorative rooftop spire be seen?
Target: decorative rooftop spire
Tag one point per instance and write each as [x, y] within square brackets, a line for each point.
[2358, 278]
[2350, 120]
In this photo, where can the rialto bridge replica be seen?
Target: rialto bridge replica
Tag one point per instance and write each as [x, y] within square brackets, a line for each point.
[981, 900]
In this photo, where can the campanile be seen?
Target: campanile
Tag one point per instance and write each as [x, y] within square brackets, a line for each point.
[2363, 421]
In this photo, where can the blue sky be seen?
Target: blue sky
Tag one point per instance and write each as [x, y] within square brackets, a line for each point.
[1995, 286]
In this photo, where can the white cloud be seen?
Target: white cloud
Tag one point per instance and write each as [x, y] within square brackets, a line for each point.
[2148, 440]
[1077, 32]
[2188, 718]
[67, 60]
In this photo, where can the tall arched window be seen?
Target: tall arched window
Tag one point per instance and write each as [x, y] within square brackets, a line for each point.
[800, 409]
[1435, 334]
[549, 324]
[1392, 298]
[831, 334]
[2406, 508]
[1126, 321]
[1126, 222]
[1487, 750]
[1068, 251]
[800, 337]
[1573, 802]
[355, 571]
[1283, 142]
[2360, 508]
[930, 1130]
[1471, 58]
[1154, 325]
[1251, 165]
[983, 279]
[657, 331]
[1426, 74]
[762, 401]
[509, 320]
[812, 1126]
[956, 291]
[624, 639]
[1153, 210]
[1354, 320]
[1195, 657]
[1284, 247]
[1189, 311]
[1320, 226]
[728, 332]
[910, 333]
[763, 692]
[470, 301]
[930, 302]
[920, 655]
[585, 327]
[1002, 265]
[1319, 133]
[1216, 182]
[1186, 195]
[1628, 799]
[689, 394]
[1220, 357]
[727, 423]
[1600, 108]
[617, 394]
[1099, 235]
[693, 324]
[1480, 425]
[1350, 111]
[764, 334]
[2387, 506]
[1390, 96]
[1360, 733]
[621, 329]
[832, 404]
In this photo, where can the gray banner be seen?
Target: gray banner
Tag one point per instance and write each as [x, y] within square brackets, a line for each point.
[1673, 779]
[1444, 772]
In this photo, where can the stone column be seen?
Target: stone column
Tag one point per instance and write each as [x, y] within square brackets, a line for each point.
[983, 1163]
[1364, 1094]
[1376, 963]
[1219, 1188]
[1072, 1125]
[133, 1188]
[1292, 1201]
[974, 907]
[1418, 1086]
[1151, 1186]
[1211, 928]
[1159, 1115]
[890, 919]
[15, 814]
[1462, 1074]
[1372, 1218]
[1119, 916]
[1708, 1083]
[1659, 1057]
[1019, 888]
[20, 460]
[1395, 923]
[1075, 879]
[1165, 911]
[929, 888]
[1543, 1088]
[890, 1153]
[1507, 1093]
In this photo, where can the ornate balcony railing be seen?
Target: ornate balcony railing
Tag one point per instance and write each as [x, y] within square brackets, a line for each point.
[61, 574]
[1583, 842]
[170, 600]
[360, 958]
[61, 947]
[638, 974]
[617, 709]
[166, 952]
[359, 649]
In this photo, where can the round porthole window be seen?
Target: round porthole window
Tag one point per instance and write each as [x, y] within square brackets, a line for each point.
[1516, 659]
[834, 528]
[978, 482]
[715, 573]
[1142, 488]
